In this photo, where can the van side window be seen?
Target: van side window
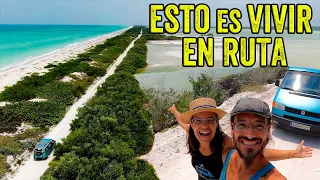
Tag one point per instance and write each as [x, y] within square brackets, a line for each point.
[315, 83]
[289, 80]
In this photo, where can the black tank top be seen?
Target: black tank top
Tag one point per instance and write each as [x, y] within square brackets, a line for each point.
[207, 167]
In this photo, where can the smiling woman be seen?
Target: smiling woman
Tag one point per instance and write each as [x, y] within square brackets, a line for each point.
[207, 142]
[205, 137]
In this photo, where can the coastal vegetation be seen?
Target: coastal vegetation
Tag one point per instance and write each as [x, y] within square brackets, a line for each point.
[137, 56]
[11, 146]
[58, 95]
[120, 115]
[159, 99]
[113, 129]
[106, 53]
[110, 131]
[108, 135]
[118, 124]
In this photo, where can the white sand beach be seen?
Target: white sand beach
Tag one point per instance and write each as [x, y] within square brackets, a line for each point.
[32, 170]
[12, 75]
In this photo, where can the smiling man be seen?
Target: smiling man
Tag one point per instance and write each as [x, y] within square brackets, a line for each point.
[250, 121]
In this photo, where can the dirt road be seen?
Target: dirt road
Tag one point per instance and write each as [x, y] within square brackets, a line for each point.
[32, 170]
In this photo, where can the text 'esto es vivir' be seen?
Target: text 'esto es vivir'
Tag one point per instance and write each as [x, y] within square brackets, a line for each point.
[269, 17]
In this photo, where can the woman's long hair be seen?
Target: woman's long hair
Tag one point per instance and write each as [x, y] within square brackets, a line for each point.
[216, 143]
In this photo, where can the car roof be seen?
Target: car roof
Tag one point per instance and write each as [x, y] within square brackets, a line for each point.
[297, 68]
[43, 143]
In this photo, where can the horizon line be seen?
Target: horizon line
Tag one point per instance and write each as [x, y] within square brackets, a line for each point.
[127, 25]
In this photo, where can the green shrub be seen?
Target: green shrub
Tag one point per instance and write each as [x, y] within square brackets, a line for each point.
[126, 67]
[5, 124]
[136, 57]
[31, 133]
[8, 145]
[110, 131]
[205, 86]
[37, 113]
[4, 166]
[183, 100]
[159, 100]
[30, 144]
[6, 150]
[118, 150]
[60, 92]
[68, 167]
[202, 86]
[50, 65]
[17, 92]
[142, 170]
[227, 86]
[105, 53]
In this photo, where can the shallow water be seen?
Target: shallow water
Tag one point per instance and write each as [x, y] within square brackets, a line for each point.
[165, 59]
[20, 42]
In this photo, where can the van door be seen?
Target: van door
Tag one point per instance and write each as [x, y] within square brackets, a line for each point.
[49, 149]
[51, 145]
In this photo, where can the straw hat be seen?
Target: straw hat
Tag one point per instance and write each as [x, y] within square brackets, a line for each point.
[202, 105]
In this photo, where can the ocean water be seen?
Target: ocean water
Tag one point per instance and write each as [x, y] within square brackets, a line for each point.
[20, 42]
[166, 59]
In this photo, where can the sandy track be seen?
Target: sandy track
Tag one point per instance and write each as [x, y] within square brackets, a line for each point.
[32, 170]
[171, 161]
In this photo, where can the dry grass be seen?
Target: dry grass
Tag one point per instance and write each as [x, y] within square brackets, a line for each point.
[14, 146]
[252, 88]
[4, 166]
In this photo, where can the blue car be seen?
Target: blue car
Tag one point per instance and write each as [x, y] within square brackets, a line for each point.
[296, 105]
[44, 148]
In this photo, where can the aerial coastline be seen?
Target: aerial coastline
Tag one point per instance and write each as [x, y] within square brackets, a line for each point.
[10, 75]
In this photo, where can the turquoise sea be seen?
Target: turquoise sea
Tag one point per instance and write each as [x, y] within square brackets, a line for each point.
[19, 42]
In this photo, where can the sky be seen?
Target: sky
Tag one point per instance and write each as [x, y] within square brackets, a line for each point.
[115, 12]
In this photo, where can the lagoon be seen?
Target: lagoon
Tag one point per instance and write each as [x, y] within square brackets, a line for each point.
[165, 58]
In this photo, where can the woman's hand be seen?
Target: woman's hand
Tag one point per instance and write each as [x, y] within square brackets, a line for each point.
[177, 115]
[302, 151]
[173, 109]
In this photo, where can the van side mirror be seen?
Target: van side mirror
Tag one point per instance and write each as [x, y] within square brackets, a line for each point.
[277, 83]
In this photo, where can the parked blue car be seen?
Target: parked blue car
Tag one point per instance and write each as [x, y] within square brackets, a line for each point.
[44, 148]
[296, 105]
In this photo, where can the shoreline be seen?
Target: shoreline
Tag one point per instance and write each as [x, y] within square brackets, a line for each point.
[15, 72]
[28, 60]
[31, 169]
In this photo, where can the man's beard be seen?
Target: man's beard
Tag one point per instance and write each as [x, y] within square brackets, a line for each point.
[249, 156]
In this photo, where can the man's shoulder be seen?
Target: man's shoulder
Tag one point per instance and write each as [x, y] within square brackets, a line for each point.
[274, 174]
[225, 154]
